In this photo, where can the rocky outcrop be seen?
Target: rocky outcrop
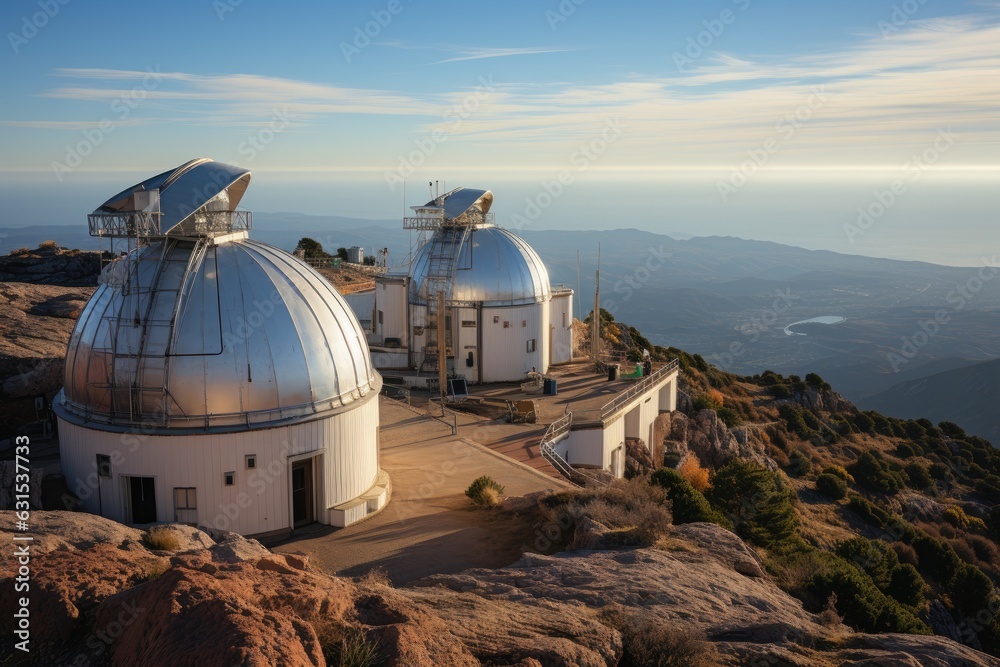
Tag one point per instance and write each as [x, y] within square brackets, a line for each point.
[35, 325]
[707, 437]
[219, 599]
[51, 265]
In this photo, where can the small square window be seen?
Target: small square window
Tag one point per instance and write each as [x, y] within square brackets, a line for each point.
[103, 465]
[531, 345]
[251, 461]
[230, 478]
[524, 323]
[496, 319]
[506, 324]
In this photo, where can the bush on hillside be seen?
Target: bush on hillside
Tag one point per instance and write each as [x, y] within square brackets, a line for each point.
[687, 504]
[863, 606]
[906, 585]
[695, 474]
[799, 463]
[757, 500]
[874, 473]
[831, 486]
[937, 558]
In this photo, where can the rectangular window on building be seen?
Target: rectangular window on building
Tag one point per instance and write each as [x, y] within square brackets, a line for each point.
[251, 461]
[380, 317]
[230, 478]
[103, 465]
[185, 498]
[531, 345]
[565, 320]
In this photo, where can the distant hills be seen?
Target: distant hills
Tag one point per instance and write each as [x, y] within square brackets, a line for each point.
[967, 396]
[726, 298]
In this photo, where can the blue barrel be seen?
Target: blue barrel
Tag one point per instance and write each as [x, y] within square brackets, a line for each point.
[550, 387]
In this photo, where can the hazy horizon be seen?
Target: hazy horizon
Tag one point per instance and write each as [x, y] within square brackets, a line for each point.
[947, 221]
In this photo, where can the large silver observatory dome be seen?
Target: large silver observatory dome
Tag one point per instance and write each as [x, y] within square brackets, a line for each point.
[487, 264]
[201, 327]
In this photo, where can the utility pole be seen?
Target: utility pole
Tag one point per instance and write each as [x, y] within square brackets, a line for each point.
[596, 324]
[442, 350]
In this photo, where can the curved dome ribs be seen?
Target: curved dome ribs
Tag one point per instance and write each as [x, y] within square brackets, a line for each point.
[207, 332]
[492, 266]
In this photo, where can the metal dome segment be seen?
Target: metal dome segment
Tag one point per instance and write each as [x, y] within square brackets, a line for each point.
[494, 267]
[195, 199]
[248, 336]
[466, 207]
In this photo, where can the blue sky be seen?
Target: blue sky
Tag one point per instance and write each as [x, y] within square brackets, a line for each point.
[780, 99]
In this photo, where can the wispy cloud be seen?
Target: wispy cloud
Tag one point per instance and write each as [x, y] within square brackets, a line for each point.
[885, 98]
[482, 53]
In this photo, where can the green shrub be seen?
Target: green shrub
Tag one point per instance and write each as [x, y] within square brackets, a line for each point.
[815, 381]
[705, 402]
[858, 599]
[863, 423]
[906, 585]
[838, 471]
[780, 391]
[871, 513]
[687, 504]
[799, 463]
[729, 417]
[971, 590]
[795, 420]
[937, 558]
[874, 473]
[873, 557]
[485, 492]
[918, 476]
[831, 486]
[756, 500]
[952, 430]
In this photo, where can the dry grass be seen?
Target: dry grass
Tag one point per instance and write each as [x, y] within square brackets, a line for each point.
[652, 643]
[716, 396]
[635, 511]
[485, 492]
[48, 245]
[153, 571]
[162, 539]
[344, 645]
[375, 577]
[829, 616]
[692, 471]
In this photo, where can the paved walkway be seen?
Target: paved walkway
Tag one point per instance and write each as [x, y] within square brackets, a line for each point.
[429, 526]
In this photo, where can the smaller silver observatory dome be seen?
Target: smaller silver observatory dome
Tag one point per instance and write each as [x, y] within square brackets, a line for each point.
[484, 263]
[202, 328]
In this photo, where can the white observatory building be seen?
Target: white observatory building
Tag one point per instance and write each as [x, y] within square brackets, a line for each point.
[501, 316]
[212, 379]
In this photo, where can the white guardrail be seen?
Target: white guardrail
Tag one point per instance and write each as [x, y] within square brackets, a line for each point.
[642, 385]
[556, 431]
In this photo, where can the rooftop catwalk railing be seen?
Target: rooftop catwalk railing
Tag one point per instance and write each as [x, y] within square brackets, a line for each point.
[622, 399]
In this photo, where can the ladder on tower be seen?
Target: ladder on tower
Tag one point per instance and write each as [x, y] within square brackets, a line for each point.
[442, 257]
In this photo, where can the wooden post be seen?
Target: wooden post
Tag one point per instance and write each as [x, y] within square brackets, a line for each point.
[442, 350]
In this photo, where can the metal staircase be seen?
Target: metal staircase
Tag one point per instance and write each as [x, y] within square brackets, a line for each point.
[443, 252]
[141, 328]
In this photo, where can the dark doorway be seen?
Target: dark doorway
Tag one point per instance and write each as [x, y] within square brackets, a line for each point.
[302, 493]
[143, 499]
